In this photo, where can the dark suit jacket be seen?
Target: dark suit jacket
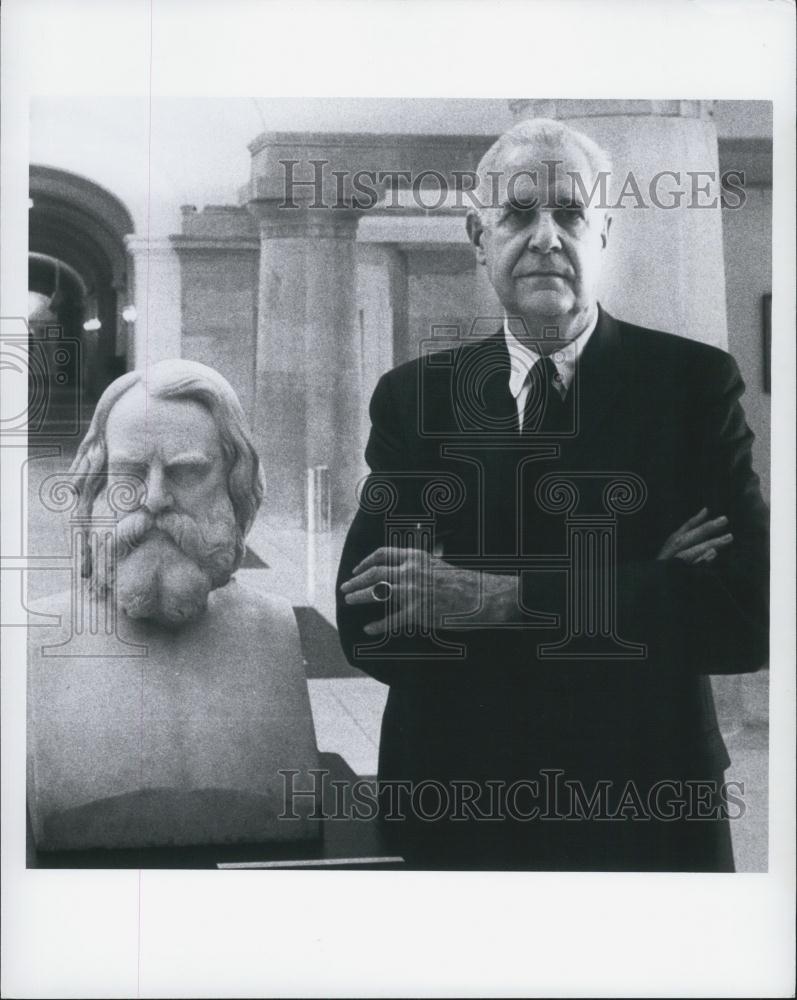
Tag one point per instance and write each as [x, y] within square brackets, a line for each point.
[660, 407]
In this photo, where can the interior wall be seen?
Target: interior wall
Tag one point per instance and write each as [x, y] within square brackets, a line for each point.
[219, 303]
[747, 239]
[444, 290]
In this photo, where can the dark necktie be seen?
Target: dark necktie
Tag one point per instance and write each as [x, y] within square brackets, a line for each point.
[544, 410]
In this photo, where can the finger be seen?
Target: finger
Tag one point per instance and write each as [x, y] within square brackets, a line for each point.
[694, 521]
[376, 628]
[366, 596]
[694, 552]
[714, 543]
[389, 623]
[707, 556]
[673, 544]
[668, 550]
[366, 580]
[700, 534]
[384, 554]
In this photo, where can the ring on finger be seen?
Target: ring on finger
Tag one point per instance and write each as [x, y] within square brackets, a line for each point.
[381, 591]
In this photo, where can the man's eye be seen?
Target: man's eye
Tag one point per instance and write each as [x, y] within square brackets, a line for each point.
[569, 214]
[524, 207]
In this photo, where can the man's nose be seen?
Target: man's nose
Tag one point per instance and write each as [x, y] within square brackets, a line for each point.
[543, 235]
[158, 497]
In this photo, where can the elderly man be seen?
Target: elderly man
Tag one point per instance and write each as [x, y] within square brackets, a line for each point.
[163, 708]
[544, 712]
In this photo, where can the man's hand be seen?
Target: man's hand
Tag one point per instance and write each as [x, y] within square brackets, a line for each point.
[422, 584]
[697, 540]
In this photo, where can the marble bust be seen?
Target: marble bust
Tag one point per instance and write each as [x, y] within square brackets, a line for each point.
[171, 726]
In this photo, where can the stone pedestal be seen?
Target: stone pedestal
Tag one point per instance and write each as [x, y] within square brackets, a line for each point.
[182, 745]
[665, 267]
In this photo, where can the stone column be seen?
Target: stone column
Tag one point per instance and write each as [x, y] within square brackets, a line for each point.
[156, 333]
[382, 313]
[218, 250]
[308, 367]
[665, 266]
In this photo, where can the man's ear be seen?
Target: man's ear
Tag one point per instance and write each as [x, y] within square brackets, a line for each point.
[607, 225]
[475, 229]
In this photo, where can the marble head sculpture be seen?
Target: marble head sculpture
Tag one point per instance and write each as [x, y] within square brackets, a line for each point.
[164, 707]
[175, 435]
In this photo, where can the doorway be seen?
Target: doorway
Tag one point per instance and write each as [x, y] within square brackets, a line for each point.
[78, 291]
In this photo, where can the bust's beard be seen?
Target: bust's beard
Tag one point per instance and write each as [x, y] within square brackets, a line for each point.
[163, 567]
[159, 582]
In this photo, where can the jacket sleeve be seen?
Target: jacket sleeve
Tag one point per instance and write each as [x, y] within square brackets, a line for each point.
[707, 618]
[402, 660]
[386, 455]
[724, 605]
[710, 618]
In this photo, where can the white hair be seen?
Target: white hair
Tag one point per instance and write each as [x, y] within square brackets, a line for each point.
[539, 132]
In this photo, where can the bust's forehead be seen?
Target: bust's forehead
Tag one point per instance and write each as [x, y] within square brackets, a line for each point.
[139, 422]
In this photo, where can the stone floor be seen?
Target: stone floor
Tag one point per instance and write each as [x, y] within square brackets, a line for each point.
[347, 709]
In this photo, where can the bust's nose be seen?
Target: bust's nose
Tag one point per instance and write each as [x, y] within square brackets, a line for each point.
[158, 497]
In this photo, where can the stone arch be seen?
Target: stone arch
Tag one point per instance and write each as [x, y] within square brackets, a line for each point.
[81, 224]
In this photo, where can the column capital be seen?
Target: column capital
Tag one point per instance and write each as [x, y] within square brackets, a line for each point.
[523, 108]
[277, 221]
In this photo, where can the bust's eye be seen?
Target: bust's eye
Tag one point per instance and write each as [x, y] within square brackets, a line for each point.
[187, 473]
[132, 472]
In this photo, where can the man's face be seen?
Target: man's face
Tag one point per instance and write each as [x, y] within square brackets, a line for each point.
[180, 541]
[542, 246]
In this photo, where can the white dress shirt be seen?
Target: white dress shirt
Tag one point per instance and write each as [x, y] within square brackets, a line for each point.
[522, 359]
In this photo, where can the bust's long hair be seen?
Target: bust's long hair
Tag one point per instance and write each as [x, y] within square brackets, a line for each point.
[178, 379]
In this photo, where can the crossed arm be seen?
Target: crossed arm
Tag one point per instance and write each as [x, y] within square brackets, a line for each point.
[412, 573]
[691, 608]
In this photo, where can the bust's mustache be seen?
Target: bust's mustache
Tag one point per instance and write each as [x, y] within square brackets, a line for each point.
[165, 564]
[212, 544]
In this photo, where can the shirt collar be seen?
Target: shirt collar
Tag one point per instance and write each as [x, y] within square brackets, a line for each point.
[522, 358]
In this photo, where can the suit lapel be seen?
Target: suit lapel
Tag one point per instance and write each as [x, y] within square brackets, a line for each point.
[598, 382]
[482, 386]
